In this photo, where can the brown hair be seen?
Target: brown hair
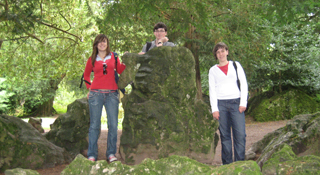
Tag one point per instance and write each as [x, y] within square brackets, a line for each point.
[159, 25]
[218, 46]
[97, 40]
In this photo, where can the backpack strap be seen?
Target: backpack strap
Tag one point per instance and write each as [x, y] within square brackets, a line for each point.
[116, 58]
[148, 46]
[83, 80]
[238, 81]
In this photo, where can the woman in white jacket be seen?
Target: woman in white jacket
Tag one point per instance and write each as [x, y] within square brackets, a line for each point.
[228, 103]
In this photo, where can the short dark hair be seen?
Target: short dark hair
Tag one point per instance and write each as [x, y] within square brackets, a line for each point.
[218, 46]
[159, 25]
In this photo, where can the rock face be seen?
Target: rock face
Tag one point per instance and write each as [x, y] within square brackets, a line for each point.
[285, 161]
[285, 105]
[23, 146]
[302, 133]
[17, 171]
[36, 123]
[162, 116]
[170, 165]
[70, 130]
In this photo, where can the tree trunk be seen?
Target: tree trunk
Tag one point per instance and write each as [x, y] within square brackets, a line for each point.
[46, 108]
[194, 49]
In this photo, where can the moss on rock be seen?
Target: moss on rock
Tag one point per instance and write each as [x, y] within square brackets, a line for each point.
[282, 106]
[23, 146]
[162, 115]
[286, 162]
[170, 165]
[20, 171]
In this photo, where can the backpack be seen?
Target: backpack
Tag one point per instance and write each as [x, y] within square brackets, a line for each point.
[116, 76]
[148, 46]
[238, 81]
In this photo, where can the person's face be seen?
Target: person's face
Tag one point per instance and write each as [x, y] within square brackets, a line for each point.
[222, 54]
[160, 33]
[102, 46]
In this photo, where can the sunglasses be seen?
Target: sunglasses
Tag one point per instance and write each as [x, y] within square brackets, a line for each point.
[105, 69]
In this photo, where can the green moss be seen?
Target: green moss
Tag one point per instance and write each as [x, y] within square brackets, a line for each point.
[239, 167]
[283, 106]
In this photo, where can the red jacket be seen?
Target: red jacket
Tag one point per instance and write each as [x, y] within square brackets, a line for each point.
[101, 81]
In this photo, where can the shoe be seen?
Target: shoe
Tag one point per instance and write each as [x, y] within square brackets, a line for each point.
[112, 158]
[91, 159]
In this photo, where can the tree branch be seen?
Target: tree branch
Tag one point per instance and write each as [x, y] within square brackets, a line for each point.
[22, 37]
[33, 36]
[63, 38]
[66, 21]
[1, 41]
[49, 25]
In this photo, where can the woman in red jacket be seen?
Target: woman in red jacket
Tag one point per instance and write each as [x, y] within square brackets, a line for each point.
[102, 92]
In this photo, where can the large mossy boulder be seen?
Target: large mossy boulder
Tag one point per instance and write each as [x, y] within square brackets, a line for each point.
[285, 161]
[302, 133]
[282, 106]
[162, 115]
[21, 145]
[70, 130]
[171, 165]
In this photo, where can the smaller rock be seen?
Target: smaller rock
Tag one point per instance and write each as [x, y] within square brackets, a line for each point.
[239, 167]
[21, 171]
[36, 123]
[285, 161]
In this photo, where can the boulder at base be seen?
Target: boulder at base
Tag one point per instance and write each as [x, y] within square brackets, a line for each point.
[302, 134]
[70, 130]
[21, 145]
[286, 162]
[171, 165]
[162, 116]
[20, 171]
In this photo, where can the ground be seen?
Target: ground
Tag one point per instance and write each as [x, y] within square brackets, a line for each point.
[254, 130]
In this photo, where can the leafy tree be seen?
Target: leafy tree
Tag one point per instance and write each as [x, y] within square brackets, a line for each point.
[197, 25]
[49, 40]
[294, 60]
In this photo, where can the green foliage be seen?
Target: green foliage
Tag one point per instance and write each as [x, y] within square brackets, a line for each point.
[4, 96]
[50, 47]
[294, 60]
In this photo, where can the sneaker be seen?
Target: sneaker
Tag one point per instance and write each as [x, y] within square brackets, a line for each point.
[112, 158]
[92, 159]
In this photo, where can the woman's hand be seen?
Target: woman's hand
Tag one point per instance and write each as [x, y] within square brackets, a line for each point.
[242, 109]
[216, 115]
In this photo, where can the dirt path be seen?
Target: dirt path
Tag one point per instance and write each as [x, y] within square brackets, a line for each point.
[255, 131]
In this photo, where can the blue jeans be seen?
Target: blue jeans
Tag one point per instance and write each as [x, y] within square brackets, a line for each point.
[110, 100]
[230, 117]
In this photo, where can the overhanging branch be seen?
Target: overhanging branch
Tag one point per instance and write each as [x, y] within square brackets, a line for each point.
[52, 26]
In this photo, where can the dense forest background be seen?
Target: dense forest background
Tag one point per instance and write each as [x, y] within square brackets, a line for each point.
[44, 45]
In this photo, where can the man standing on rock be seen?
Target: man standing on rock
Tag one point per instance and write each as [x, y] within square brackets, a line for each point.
[160, 32]
[228, 102]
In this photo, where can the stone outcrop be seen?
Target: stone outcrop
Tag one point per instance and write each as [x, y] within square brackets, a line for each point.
[162, 115]
[286, 161]
[171, 165]
[23, 146]
[70, 130]
[36, 123]
[302, 133]
[20, 171]
[272, 107]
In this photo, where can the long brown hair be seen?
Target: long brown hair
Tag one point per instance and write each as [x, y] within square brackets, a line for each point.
[95, 51]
